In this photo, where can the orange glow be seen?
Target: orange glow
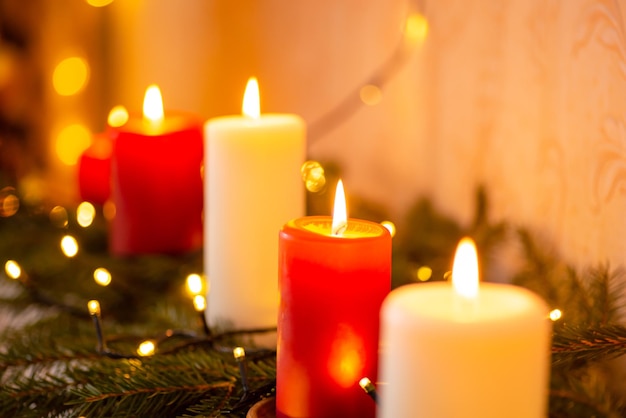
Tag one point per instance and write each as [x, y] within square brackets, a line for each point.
[71, 141]
[465, 269]
[70, 76]
[153, 105]
[251, 106]
[346, 362]
[340, 212]
[416, 28]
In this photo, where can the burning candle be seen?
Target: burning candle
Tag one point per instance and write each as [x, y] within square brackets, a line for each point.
[94, 170]
[253, 185]
[464, 349]
[334, 275]
[156, 181]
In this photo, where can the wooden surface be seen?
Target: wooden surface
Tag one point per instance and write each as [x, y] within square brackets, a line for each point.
[265, 408]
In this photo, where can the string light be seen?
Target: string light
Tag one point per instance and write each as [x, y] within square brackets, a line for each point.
[12, 269]
[108, 210]
[194, 284]
[555, 314]
[99, 3]
[69, 246]
[369, 388]
[146, 348]
[102, 276]
[240, 356]
[94, 310]
[85, 214]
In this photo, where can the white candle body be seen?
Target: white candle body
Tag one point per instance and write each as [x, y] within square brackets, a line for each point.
[252, 187]
[492, 362]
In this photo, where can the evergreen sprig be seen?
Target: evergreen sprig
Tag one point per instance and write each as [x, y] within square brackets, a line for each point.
[50, 367]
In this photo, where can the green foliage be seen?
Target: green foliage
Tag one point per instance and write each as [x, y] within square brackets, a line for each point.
[50, 367]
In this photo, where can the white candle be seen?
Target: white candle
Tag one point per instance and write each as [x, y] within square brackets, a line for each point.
[464, 351]
[252, 185]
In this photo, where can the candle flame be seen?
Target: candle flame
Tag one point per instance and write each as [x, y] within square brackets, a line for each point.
[251, 106]
[465, 269]
[340, 212]
[153, 105]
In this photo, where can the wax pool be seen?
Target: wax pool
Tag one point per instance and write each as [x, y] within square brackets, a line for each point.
[331, 291]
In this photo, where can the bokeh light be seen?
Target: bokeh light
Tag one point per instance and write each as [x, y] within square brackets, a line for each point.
[313, 176]
[146, 348]
[199, 303]
[99, 3]
[194, 284]
[416, 28]
[555, 314]
[58, 216]
[370, 94]
[9, 202]
[70, 76]
[108, 210]
[424, 273]
[118, 116]
[85, 214]
[12, 269]
[102, 276]
[69, 246]
[71, 141]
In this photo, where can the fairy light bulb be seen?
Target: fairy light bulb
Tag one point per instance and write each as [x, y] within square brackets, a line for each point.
[85, 214]
[239, 353]
[194, 284]
[102, 276]
[555, 314]
[146, 348]
[69, 246]
[199, 303]
[12, 269]
[94, 307]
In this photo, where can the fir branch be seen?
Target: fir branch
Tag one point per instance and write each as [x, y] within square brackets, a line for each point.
[576, 345]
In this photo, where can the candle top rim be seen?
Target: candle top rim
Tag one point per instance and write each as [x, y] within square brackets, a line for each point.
[496, 303]
[173, 121]
[251, 122]
[321, 226]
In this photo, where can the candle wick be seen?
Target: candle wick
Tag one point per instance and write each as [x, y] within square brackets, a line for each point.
[339, 229]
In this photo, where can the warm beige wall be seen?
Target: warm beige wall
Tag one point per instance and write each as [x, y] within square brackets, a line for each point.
[526, 96]
[529, 98]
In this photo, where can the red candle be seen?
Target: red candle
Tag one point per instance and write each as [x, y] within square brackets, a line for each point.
[157, 182]
[332, 286]
[94, 170]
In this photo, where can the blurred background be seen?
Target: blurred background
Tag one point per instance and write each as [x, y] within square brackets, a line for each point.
[408, 98]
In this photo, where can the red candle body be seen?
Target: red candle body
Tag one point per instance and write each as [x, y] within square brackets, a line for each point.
[331, 291]
[157, 186]
[94, 170]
